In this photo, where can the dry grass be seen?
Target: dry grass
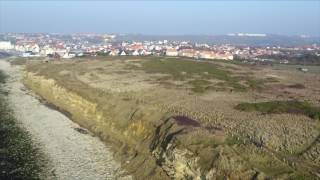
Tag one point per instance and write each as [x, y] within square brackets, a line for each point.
[201, 91]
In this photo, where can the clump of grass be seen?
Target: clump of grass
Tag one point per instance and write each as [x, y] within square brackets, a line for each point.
[19, 159]
[18, 61]
[292, 107]
[263, 161]
[199, 85]
[233, 140]
[255, 84]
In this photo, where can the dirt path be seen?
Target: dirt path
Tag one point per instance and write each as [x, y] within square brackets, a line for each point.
[72, 154]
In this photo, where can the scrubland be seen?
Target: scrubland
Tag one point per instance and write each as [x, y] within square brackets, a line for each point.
[194, 119]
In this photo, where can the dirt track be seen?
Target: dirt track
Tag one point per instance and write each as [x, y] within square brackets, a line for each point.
[72, 154]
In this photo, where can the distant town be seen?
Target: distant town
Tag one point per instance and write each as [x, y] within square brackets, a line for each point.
[56, 46]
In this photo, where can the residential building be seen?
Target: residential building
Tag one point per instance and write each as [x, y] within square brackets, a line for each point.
[6, 45]
[171, 52]
[187, 53]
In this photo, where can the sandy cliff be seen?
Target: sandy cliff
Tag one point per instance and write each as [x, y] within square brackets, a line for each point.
[150, 143]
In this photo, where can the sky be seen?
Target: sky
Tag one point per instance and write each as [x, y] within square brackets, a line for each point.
[162, 17]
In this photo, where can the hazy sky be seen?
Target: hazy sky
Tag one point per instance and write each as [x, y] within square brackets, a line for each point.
[162, 17]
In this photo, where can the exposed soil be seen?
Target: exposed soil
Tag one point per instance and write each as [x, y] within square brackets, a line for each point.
[186, 121]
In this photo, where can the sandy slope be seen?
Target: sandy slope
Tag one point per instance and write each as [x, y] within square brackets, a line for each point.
[72, 155]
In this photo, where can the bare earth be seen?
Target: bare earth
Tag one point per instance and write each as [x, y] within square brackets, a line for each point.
[72, 155]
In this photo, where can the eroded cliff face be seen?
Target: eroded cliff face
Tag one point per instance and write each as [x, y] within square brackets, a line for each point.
[151, 144]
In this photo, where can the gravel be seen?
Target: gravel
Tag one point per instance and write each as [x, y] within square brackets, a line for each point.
[73, 152]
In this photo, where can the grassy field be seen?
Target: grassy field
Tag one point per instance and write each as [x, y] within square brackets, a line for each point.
[119, 85]
[196, 74]
[19, 159]
[291, 107]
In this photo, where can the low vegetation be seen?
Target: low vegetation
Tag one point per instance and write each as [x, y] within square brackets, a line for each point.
[200, 85]
[198, 73]
[19, 159]
[19, 61]
[206, 125]
[291, 107]
[181, 70]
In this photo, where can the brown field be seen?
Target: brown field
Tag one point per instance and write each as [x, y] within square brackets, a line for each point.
[201, 97]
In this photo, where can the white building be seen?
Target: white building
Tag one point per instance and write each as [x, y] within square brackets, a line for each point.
[20, 48]
[136, 53]
[6, 45]
[46, 50]
[123, 53]
[171, 52]
[68, 55]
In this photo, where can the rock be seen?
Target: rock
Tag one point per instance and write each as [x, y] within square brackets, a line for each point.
[81, 130]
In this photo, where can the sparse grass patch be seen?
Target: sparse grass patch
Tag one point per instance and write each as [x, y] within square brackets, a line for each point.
[233, 140]
[255, 84]
[198, 72]
[18, 61]
[292, 107]
[207, 157]
[175, 68]
[199, 85]
[263, 161]
[271, 80]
